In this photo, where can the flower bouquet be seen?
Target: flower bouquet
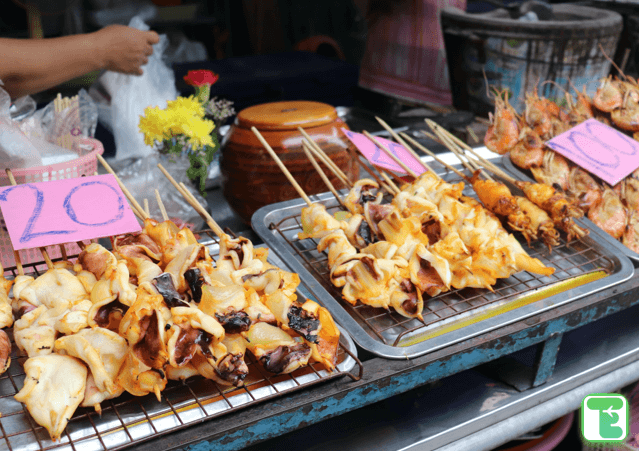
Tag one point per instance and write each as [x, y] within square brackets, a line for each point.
[187, 126]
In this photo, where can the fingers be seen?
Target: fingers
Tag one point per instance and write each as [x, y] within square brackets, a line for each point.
[152, 37]
[148, 50]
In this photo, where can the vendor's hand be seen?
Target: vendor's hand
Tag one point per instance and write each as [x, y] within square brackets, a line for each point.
[125, 49]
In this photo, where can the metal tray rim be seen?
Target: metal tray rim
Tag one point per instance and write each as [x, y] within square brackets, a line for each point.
[624, 271]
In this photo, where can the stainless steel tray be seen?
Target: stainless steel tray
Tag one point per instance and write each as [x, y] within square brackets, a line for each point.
[450, 317]
[128, 420]
[525, 176]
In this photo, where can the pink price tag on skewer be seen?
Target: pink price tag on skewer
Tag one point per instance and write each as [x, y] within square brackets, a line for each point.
[64, 211]
[599, 149]
[378, 157]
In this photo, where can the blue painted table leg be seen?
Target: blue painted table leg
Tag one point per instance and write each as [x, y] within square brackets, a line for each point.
[546, 358]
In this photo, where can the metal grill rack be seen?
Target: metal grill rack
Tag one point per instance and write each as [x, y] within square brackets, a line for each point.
[128, 420]
[569, 260]
[592, 257]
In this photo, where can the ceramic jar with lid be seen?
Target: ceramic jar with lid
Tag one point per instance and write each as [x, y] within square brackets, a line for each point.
[250, 177]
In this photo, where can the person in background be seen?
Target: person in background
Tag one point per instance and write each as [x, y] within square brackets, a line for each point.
[28, 66]
[405, 56]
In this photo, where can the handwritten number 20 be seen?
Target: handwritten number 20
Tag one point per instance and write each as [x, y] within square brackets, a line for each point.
[28, 234]
[71, 212]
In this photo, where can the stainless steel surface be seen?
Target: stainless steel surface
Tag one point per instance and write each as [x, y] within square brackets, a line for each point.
[521, 175]
[128, 420]
[279, 224]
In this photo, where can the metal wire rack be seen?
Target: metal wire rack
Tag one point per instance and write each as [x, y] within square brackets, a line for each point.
[129, 420]
[579, 257]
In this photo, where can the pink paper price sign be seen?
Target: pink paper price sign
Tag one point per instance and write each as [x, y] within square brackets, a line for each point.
[599, 149]
[378, 157]
[63, 211]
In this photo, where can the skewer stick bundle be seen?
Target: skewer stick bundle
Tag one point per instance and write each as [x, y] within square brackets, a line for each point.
[194, 203]
[277, 160]
[321, 173]
[437, 159]
[325, 158]
[329, 164]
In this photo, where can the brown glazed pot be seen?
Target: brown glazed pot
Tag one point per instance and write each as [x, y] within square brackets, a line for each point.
[250, 177]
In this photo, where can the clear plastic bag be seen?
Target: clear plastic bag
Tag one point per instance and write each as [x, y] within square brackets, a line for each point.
[142, 177]
[131, 94]
[16, 149]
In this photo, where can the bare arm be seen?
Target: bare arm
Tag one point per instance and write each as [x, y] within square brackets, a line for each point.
[32, 65]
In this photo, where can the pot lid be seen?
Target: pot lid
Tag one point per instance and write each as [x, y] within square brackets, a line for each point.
[286, 115]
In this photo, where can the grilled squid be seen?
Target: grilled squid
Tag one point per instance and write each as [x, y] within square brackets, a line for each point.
[232, 369]
[193, 331]
[169, 238]
[277, 351]
[184, 260]
[53, 389]
[364, 191]
[143, 326]
[102, 350]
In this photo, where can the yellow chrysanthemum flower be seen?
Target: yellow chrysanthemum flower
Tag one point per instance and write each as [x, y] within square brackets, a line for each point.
[199, 132]
[183, 116]
[190, 104]
[153, 125]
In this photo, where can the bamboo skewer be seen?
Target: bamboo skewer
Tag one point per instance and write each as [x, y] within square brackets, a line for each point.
[194, 203]
[390, 183]
[431, 136]
[447, 139]
[399, 139]
[330, 164]
[63, 252]
[486, 164]
[43, 250]
[471, 162]
[437, 159]
[438, 128]
[363, 164]
[161, 205]
[396, 179]
[493, 167]
[325, 158]
[16, 255]
[146, 207]
[81, 245]
[408, 170]
[321, 173]
[277, 160]
[141, 214]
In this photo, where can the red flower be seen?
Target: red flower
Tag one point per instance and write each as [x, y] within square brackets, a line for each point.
[201, 77]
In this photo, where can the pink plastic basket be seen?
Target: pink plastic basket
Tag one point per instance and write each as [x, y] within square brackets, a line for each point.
[86, 164]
